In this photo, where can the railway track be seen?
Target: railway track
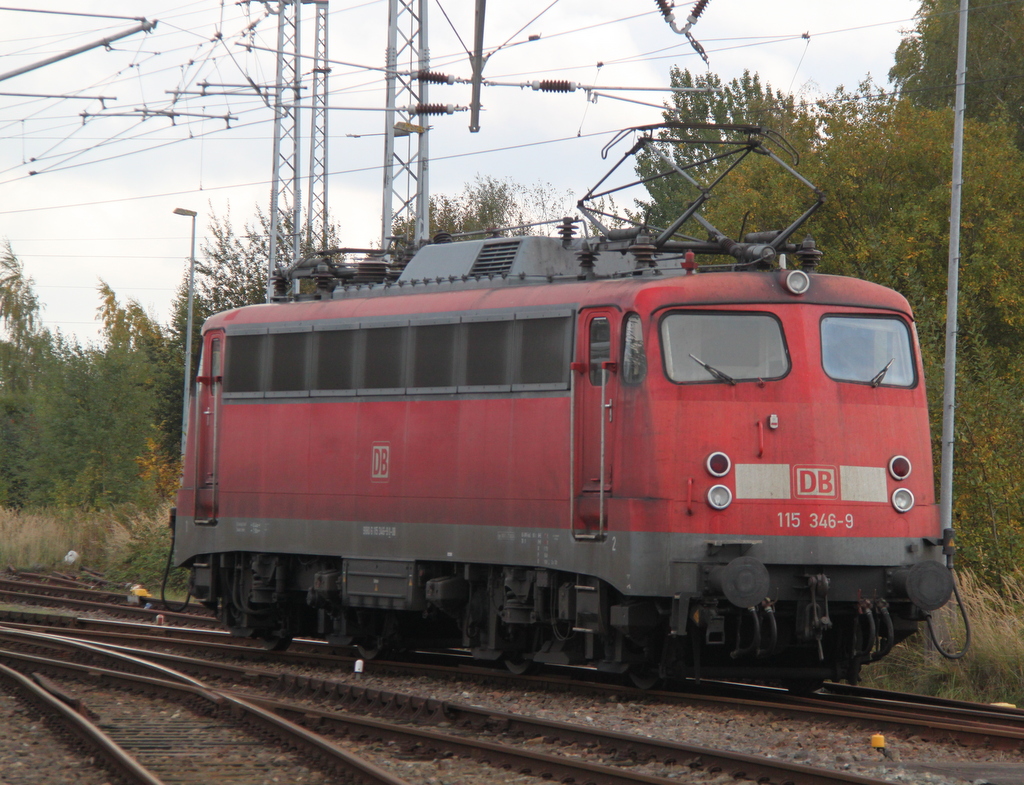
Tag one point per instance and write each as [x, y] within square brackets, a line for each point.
[568, 752]
[945, 722]
[968, 724]
[17, 588]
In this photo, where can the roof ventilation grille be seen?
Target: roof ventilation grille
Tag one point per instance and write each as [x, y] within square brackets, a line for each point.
[495, 258]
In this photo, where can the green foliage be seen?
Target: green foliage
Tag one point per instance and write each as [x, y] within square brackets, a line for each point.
[142, 556]
[885, 164]
[92, 413]
[925, 67]
[763, 197]
[489, 203]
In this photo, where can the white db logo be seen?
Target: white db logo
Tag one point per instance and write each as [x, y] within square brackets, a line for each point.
[380, 465]
[815, 481]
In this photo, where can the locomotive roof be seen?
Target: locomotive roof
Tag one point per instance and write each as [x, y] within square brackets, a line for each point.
[644, 292]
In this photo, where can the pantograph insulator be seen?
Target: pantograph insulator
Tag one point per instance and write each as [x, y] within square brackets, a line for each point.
[435, 109]
[435, 77]
[698, 9]
[665, 8]
[554, 86]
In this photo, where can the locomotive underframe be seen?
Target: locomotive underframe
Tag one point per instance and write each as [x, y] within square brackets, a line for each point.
[819, 622]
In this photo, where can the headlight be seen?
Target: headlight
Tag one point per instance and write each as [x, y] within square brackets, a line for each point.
[719, 497]
[902, 500]
[797, 282]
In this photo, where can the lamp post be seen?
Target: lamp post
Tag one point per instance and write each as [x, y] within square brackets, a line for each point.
[188, 326]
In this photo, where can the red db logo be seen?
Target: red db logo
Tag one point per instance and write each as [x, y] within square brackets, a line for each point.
[818, 482]
[381, 462]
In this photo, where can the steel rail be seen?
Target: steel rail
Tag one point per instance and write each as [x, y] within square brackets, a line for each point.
[738, 765]
[241, 708]
[971, 724]
[94, 738]
[124, 609]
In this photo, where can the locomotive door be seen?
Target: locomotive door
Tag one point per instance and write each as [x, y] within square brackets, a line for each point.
[207, 422]
[595, 396]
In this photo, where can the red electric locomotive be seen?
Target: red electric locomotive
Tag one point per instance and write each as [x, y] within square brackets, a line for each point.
[568, 450]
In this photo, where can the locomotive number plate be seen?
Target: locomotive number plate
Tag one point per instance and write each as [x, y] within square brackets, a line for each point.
[815, 520]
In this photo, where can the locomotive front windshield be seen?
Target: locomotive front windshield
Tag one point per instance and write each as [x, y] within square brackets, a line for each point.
[873, 350]
[701, 346]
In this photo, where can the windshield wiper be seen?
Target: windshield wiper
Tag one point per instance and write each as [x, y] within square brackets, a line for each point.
[877, 378]
[722, 377]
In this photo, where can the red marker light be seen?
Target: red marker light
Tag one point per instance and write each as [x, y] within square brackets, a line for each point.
[718, 464]
[899, 468]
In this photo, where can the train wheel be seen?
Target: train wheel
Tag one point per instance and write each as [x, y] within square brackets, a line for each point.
[517, 664]
[370, 648]
[644, 677]
[276, 642]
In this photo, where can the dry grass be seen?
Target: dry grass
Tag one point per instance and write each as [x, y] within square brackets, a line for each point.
[125, 544]
[992, 671]
[42, 538]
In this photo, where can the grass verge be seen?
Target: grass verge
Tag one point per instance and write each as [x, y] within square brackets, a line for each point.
[992, 671]
[125, 544]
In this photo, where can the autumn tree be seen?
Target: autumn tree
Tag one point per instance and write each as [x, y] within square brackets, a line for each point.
[925, 67]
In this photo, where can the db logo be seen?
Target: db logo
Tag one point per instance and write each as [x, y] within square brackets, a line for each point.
[380, 465]
[816, 481]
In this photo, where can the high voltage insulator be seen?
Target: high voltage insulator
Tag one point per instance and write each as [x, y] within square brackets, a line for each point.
[691, 20]
[554, 86]
[435, 109]
[435, 77]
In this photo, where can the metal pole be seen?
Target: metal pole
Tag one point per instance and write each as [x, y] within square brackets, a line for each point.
[477, 61]
[952, 284]
[188, 327]
[144, 27]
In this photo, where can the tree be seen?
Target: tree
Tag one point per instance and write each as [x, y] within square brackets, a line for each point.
[767, 192]
[19, 314]
[22, 345]
[885, 165]
[95, 437]
[925, 67]
[489, 203]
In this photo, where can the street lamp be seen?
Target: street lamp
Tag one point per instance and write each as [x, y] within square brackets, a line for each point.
[188, 327]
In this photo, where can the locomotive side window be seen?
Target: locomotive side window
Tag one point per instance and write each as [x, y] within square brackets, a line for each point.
[244, 366]
[335, 356]
[873, 350]
[289, 354]
[385, 358]
[634, 360]
[434, 355]
[600, 347]
[542, 348]
[704, 346]
[488, 352]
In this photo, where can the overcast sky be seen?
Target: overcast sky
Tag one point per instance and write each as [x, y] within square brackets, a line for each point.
[107, 178]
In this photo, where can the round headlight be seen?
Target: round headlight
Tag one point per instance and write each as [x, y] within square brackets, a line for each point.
[902, 500]
[899, 468]
[797, 281]
[719, 497]
[718, 464]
